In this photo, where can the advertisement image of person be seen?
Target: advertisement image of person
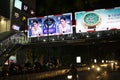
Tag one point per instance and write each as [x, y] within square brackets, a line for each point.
[36, 30]
[64, 27]
[49, 26]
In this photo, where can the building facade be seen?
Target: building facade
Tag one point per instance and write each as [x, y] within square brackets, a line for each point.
[15, 13]
[4, 16]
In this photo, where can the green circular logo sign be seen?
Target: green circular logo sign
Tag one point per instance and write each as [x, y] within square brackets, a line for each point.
[91, 19]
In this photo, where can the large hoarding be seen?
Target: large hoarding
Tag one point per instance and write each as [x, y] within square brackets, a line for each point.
[97, 20]
[50, 25]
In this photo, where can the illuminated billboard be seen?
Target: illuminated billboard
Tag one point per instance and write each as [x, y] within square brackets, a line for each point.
[18, 4]
[15, 27]
[34, 27]
[50, 25]
[97, 20]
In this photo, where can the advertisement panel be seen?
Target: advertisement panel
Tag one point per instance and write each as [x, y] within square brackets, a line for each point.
[16, 27]
[50, 25]
[34, 27]
[18, 4]
[97, 20]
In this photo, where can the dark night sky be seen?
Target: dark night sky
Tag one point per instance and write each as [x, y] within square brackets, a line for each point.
[48, 7]
[5, 8]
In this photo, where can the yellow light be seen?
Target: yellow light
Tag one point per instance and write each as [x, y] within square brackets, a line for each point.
[2, 21]
[88, 68]
[98, 69]
[104, 65]
[116, 63]
[93, 66]
[112, 64]
[23, 18]
[69, 76]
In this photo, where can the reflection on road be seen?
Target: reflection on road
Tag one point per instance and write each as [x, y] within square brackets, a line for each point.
[84, 73]
[90, 75]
